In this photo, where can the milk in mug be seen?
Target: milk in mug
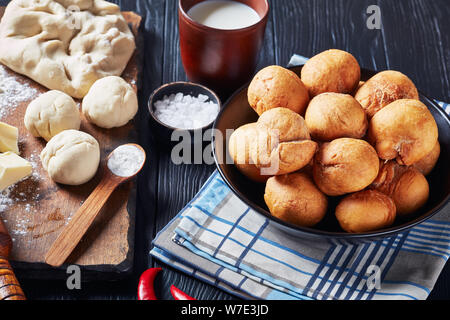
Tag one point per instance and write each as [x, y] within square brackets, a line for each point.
[223, 14]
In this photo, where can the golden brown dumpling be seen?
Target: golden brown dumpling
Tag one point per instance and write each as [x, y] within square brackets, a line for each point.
[365, 211]
[331, 71]
[405, 185]
[277, 87]
[345, 165]
[383, 88]
[335, 115]
[295, 199]
[404, 130]
[239, 149]
[283, 144]
[427, 163]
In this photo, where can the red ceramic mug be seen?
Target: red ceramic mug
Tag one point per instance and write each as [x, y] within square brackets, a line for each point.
[222, 60]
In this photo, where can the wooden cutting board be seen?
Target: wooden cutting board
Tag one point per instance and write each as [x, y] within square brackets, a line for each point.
[36, 210]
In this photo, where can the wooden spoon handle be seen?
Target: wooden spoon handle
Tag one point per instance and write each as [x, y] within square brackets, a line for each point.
[9, 286]
[80, 223]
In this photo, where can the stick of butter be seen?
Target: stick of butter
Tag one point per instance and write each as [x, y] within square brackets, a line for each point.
[12, 169]
[9, 137]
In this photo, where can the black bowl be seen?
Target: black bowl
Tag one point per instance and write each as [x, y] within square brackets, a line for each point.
[163, 131]
[237, 112]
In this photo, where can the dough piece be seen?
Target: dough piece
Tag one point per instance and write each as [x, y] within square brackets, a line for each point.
[407, 186]
[239, 149]
[277, 87]
[404, 130]
[111, 102]
[383, 88]
[51, 113]
[282, 144]
[365, 211]
[345, 165]
[335, 115]
[295, 199]
[331, 71]
[71, 157]
[65, 45]
[427, 163]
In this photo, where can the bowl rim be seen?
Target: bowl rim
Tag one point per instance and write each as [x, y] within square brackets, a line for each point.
[311, 232]
[186, 83]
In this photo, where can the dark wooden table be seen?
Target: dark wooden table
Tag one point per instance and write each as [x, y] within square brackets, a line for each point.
[414, 38]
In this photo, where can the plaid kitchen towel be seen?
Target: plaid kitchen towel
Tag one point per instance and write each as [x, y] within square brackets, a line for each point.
[219, 239]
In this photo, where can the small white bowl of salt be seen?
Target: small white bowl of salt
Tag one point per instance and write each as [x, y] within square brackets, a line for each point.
[184, 106]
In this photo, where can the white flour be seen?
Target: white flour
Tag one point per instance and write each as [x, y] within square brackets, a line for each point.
[5, 199]
[126, 160]
[12, 92]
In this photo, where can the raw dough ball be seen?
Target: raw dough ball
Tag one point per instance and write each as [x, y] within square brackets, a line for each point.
[239, 149]
[427, 164]
[63, 48]
[405, 130]
[51, 113]
[365, 211]
[111, 102]
[335, 115]
[345, 165]
[405, 185]
[383, 88]
[331, 71]
[275, 87]
[283, 144]
[295, 199]
[71, 157]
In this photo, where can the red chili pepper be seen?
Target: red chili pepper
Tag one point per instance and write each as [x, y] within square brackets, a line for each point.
[146, 290]
[179, 295]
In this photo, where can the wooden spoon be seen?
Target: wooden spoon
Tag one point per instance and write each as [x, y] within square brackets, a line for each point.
[9, 286]
[83, 218]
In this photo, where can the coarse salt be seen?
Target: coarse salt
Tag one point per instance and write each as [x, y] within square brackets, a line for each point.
[186, 112]
[126, 160]
[12, 92]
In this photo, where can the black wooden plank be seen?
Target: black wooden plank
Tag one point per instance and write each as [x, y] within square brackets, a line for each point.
[177, 184]
[173, 68]
[309, 27]
[267, 55]
[148, 183]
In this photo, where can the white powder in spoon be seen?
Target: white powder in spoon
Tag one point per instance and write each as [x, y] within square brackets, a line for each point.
[126, 160]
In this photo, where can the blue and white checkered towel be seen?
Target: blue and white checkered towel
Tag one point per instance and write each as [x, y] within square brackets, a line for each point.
[219, 239]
